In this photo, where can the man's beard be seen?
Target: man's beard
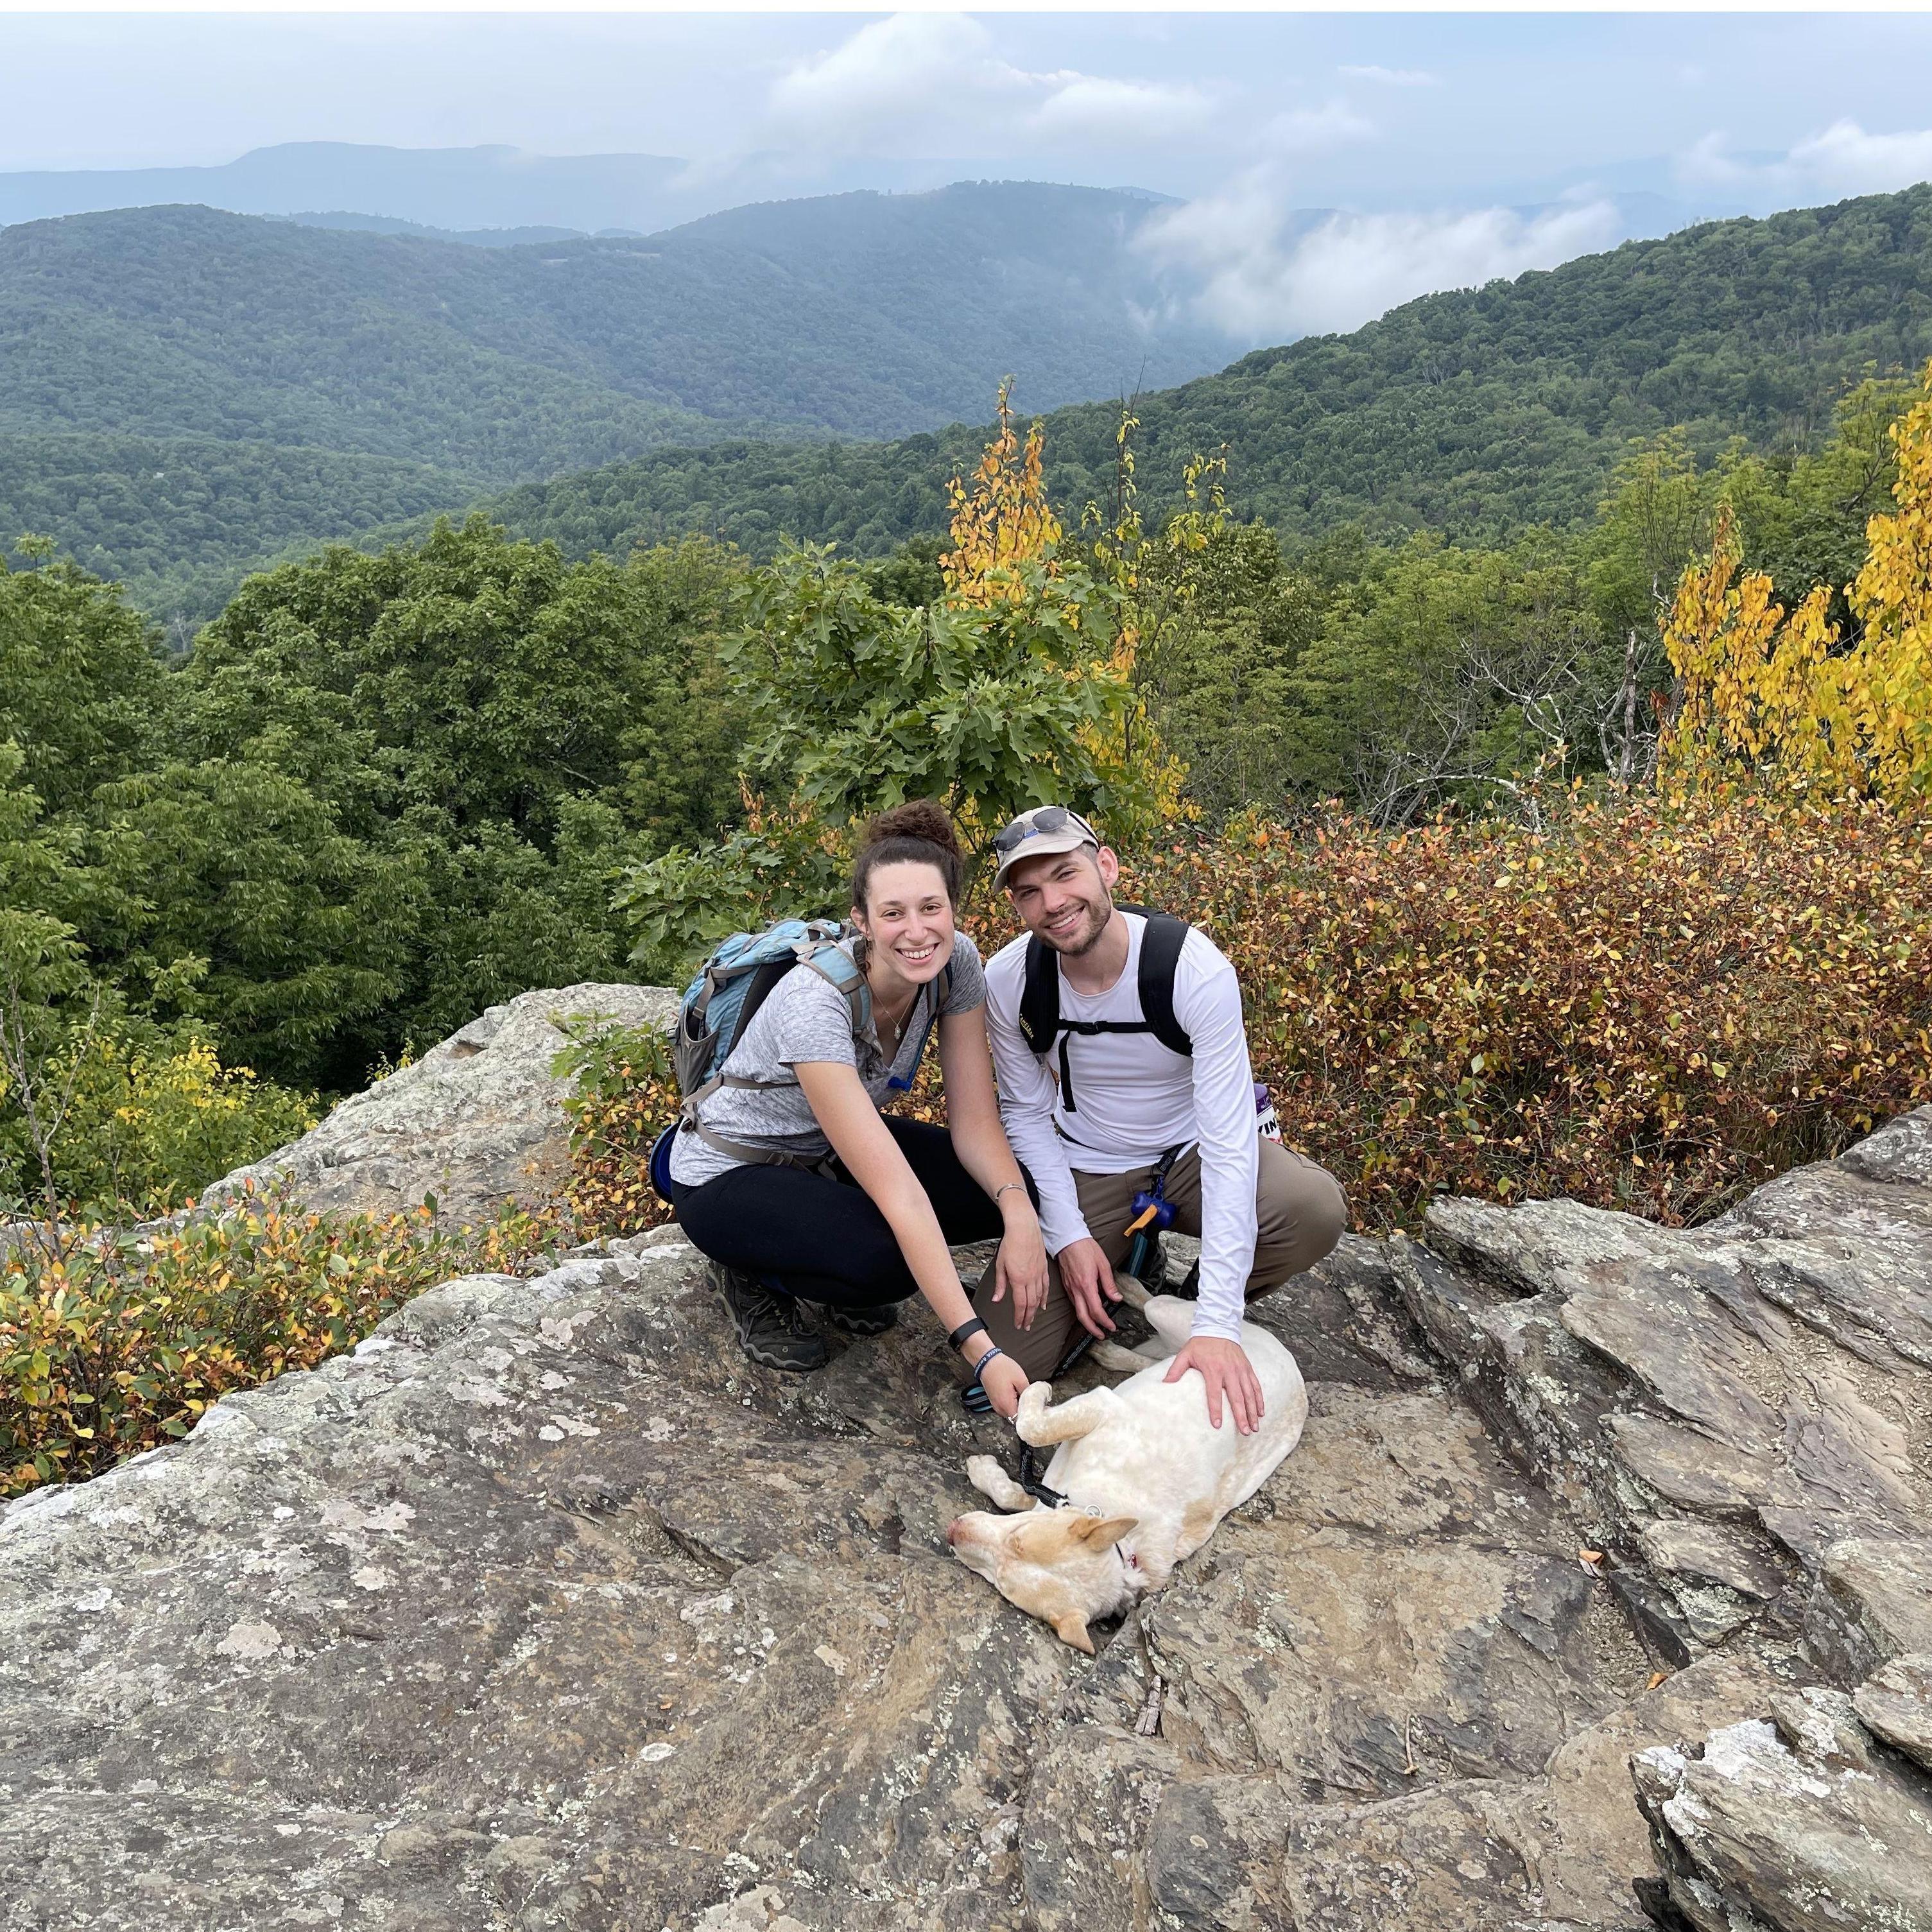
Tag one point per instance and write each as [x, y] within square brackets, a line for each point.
[1102, 916]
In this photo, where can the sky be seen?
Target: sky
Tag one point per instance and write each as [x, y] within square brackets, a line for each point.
[1440, 148]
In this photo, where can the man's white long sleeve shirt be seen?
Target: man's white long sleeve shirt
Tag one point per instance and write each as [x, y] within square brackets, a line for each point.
[1132, 1099]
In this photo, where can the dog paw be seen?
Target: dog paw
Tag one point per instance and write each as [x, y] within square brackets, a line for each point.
[1133, 1290]
[1123, 1361]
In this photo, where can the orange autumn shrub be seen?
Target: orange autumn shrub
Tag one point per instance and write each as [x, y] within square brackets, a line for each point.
[1652, 1006]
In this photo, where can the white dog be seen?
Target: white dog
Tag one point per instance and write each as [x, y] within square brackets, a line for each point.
[1146, 1478]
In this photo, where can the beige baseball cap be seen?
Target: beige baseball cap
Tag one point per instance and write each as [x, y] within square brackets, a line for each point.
[1037, 834]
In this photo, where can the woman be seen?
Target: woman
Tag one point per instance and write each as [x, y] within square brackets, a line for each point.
[847, 1209]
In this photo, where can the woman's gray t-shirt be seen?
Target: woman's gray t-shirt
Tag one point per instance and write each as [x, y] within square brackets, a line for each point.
[805, 1017]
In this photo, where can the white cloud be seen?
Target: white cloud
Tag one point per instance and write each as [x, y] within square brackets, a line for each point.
[1847, 159]
[934, 81]
[887, 78]
[1263, 276]
[1087, 109]
[1844, 160]
[1391, 76]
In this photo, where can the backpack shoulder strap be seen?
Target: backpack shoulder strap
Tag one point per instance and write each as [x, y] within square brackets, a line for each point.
[1160, 957]
[1039, 997]
[837, 967]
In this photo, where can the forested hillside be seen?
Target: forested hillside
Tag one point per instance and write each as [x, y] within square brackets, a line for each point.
[859, 315]
[1477, 413]
[180, 520]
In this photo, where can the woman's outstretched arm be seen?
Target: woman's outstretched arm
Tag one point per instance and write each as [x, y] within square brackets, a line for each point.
[861, 1140]
[973, 1114]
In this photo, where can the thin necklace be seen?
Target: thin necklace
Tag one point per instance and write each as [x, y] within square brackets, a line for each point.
[882, 1019]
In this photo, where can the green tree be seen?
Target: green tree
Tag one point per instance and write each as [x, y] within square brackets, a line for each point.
[989, 707]
[81, 678]
[481, 730]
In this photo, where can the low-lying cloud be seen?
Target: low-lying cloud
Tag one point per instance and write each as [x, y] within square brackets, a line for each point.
[1262, 271]
[1842, 159]
[1315, 130]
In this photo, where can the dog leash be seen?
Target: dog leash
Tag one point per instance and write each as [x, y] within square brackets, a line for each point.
[1030, 1482]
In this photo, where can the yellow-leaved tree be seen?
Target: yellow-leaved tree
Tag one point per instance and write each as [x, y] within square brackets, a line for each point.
[1003, 520]
[1888, 694]
[1759, 689]
[1006, 550]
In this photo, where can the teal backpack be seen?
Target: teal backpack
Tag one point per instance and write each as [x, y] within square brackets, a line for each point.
[724, 998]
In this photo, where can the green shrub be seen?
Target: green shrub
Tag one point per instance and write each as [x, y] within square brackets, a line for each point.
[114, 1343]
[152, 1121]
[625, 1095]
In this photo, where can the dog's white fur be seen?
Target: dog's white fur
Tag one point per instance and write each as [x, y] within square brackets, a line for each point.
[1147, 1480]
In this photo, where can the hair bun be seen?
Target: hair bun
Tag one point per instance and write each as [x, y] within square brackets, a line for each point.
[917, 818]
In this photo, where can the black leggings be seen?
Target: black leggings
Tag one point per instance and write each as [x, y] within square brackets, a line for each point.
[811, 1235]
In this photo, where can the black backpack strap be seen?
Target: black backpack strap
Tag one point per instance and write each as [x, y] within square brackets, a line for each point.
[1039, 997]
[1160, 956]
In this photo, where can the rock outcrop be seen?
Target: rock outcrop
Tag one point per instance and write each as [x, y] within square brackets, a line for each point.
[476, 1122]
[544, 1610]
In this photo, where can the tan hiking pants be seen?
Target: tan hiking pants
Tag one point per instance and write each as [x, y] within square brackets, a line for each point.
[1300, 1212]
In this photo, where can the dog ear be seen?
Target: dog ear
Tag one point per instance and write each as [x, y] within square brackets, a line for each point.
[1098, 1533]
[1072, 1628]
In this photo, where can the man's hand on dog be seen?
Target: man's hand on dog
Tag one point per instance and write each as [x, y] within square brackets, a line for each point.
[1087, 1277]
[1225, 1369]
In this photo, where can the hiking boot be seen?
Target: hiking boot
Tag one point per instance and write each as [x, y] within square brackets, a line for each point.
[861, 1322]
[772, 1329]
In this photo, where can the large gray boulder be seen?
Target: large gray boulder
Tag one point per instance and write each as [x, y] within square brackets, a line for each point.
[544, 1610]
[477, 1121]
[1741, 1414]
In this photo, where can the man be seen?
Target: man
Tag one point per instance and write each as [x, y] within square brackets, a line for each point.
[1095, 1089]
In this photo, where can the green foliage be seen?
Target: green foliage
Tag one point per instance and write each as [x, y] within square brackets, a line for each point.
[1217, 664]
[80, 680]
[151, 1116]
[624, 1094]
[385, 792]
[181, 521]
[989, 707]
[1801, 516]
[1444, 675]
[678, 905]
[483, 728]
[1404, 677]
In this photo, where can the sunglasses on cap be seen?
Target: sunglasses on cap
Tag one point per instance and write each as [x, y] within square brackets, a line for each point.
[1046, 818]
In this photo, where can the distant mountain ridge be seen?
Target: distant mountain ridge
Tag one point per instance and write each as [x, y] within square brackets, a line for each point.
[464, 189]
[185, 328]
[475, 238]
[440, 188]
